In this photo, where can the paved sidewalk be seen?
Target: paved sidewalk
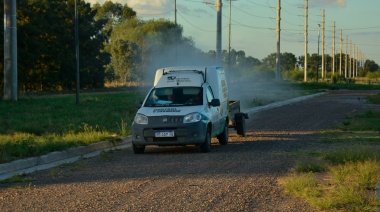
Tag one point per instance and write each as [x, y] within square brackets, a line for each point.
[29, 165]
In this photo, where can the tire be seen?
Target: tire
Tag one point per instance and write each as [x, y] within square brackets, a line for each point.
[138, 149]
[206, 146]
[240, 124]
[223, 137]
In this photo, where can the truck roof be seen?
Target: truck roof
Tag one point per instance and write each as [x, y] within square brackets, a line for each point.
[173, 79]
[189, 68]
[185, 75]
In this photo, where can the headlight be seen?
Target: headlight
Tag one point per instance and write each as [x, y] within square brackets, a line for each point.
[192, 117]
[141, 119]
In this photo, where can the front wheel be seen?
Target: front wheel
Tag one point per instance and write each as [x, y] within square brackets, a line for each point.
[138, 149]
[223, 137]
[206, 146]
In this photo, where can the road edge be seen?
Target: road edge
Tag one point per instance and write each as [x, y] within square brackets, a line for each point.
[53, 159]
[281, 103]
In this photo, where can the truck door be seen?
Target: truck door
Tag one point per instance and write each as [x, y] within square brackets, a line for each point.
[216, 116]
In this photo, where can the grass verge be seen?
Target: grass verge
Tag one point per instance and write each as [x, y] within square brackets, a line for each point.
[36, 126]
[263, 93]
[343, 178]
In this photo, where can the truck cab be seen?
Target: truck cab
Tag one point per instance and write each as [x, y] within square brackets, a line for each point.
[185, 106]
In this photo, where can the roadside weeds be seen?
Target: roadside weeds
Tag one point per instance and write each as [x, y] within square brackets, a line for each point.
[347, 177]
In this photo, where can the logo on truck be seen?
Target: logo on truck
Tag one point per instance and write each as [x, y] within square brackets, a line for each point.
[166, 110]
[178, 80]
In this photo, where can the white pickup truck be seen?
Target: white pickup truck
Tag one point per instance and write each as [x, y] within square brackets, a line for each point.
[187, 106]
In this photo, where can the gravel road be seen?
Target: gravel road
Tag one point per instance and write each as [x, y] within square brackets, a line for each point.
[240, 176]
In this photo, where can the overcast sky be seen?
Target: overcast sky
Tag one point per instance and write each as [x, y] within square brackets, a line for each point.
[253, 24]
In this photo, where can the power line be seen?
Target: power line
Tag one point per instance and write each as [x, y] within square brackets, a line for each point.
[250, 13]
[290, 23]
[268, 6]
[297, 6]
[360, 28]
[253, 27]
[282, 9]
[205, 30]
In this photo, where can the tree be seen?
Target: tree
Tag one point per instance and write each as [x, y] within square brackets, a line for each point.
[252, 62]
[46, 51]
[93, 58]
[287, 61]
[237, 60]
[126, 57]
[160, 43]
[111, 14]
[371, 66]
[40, 48]
[270, 61]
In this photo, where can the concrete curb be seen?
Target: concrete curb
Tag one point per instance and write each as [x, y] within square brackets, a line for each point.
[30, 165]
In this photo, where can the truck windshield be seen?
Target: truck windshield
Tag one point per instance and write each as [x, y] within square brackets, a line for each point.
[175, 96]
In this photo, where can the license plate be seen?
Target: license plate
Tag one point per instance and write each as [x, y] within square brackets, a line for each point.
[164, 133]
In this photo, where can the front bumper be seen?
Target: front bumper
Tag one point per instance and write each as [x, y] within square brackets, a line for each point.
[184, 134]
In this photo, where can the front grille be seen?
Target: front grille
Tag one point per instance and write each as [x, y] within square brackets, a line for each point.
[165, 119]
[175, 120]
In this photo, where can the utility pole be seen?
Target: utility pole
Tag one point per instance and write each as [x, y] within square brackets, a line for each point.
[345, 61]
[353, 60]
[340, 53]
[361, 59]
[77, 53]
[10, 51]
[278, 29]
[306, 41]
[333, 51]
[229, 34]
[175, 12]
[218, 6]
[323, 44]
[357, 61]
[350, 68]
[319, 29]
[176, 38]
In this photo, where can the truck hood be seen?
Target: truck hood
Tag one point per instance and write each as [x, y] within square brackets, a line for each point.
[170, 111]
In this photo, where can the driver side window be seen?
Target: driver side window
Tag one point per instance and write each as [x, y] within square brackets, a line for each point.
[209, 94]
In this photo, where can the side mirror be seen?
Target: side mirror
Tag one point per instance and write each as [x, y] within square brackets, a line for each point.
[138, 104]
[215, 102]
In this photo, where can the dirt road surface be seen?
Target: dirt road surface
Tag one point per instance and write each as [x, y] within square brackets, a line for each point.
[240, 176]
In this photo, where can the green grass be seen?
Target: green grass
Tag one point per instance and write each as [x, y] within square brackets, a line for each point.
[279, 91]
[330, 86]
[35, 126]
[17, 179]
[353, 153]
[346, 187]
[375, 99]
[310, 167]
[344, 176]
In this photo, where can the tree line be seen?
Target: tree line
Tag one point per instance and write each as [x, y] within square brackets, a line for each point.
[115, 47]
